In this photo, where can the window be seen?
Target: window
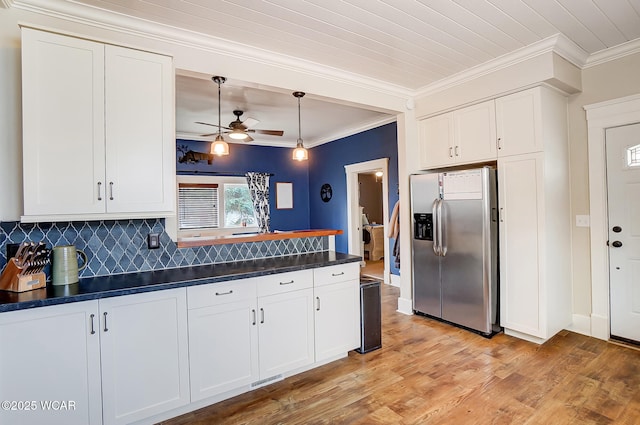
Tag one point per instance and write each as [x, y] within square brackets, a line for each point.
[214, 206]
[633, 156]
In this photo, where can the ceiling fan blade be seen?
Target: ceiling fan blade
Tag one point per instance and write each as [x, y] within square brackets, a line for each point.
[268, 132]
[213, 125]
[248, 139]
[250, 122]
[207, 135]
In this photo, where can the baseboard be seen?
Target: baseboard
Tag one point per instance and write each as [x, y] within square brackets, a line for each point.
[405, 306]
[581, 324]
[394, 280]
[600, 327]
[526, 337]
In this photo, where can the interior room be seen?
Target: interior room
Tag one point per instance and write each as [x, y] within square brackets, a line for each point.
[319, 212]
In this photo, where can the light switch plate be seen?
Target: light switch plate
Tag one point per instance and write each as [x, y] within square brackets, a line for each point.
[582, 221]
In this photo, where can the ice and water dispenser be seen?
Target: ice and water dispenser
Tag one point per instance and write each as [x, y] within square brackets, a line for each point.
[423, 226]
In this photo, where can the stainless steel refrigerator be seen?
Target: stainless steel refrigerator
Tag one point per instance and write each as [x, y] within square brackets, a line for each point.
[455, 247]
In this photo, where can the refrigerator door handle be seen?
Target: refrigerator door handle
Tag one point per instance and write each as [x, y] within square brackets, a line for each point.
[434, 212]
[442, 241]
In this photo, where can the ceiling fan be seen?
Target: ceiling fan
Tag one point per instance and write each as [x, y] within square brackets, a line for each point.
[238, 129]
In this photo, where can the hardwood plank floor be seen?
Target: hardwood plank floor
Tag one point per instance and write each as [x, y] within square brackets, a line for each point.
[429, 372]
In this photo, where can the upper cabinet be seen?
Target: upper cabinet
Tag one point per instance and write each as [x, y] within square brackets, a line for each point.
[98, 132]
[460, 137]
[510, 125]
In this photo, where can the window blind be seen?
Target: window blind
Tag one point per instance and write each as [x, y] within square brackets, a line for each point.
[197, 206]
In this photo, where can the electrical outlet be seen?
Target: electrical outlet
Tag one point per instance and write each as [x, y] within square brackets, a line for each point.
[153, 240]
[582, 221]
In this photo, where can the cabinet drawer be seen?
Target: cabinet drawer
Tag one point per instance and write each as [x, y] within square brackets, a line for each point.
[284, 282]
[333, 274]
[220, 293]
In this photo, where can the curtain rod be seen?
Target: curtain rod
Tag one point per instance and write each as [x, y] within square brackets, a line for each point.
[215, 173]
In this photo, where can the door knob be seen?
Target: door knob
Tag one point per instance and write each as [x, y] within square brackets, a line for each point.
[617, 229]
[616, 244]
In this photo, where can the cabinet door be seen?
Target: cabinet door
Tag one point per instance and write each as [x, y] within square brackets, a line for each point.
[140, 142]
[285, 332]
[63, 124]
[520, 198]
[223, 348]
[519, 123]
[436, 141]
[337, 320]
[475, 133]
[144, 344]
[51, 355]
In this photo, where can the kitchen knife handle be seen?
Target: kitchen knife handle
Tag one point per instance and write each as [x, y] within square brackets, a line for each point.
[92, 329]
[111, 191]
[105, 322]
[99, 191]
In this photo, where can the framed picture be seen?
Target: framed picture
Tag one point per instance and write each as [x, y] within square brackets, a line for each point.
[284, 195]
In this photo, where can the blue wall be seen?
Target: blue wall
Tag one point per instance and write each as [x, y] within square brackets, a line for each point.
[326, 165]
[247, 157]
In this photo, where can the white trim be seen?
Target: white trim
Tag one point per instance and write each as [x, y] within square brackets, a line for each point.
[405, 306]
[394, 280]
[613, 53]
[581, 324]
[354, 220]
[600, 116]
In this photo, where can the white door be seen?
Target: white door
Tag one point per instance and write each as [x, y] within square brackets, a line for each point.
[337, 319]
[475, 133]
[144, 353]
[623, 185]
[436, 141]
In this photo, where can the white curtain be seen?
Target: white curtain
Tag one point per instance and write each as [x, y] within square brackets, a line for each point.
[259, 189]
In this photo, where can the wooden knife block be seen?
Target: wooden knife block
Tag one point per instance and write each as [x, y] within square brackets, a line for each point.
[11, 279]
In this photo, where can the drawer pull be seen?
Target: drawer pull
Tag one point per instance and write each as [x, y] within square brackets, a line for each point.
[111, 191]
[337, 274]
[99, 191]
[317, 303]
[105, 322]
[253, 311]
[230, 291]
[262, 315]
[92, 329]
[286, 283]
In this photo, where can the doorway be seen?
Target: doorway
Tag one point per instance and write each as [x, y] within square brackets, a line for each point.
[357, 222]
[622, 145]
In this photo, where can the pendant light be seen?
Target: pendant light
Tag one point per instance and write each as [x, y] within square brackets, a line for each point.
[219, 146]
[299, 153]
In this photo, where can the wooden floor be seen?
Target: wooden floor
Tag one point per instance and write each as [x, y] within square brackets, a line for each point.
[431, 373]
[373, 269]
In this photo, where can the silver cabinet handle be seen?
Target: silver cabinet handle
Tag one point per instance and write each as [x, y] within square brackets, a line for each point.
[253, 312]
[286, 283]
[457, 153]
[450, 152]
[105, 322]
[501, 215]
[92, 329]
[99, 191]
[337, 274]
[262, 315]
[229, 292]
[317, 303]
[499, 144]
[111, 191]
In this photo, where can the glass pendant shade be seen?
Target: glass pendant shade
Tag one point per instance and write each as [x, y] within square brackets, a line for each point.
[219, 146]
[300, 153]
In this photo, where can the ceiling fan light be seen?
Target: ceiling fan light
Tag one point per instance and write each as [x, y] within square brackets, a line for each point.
[219, 146]
[238, 134]
[300, 153]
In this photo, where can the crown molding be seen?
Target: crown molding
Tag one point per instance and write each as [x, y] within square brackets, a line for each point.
[557, 43]
[113, 21]
[6, 4]
[613, 53]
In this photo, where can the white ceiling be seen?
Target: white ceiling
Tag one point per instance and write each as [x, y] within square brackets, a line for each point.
[407, 45]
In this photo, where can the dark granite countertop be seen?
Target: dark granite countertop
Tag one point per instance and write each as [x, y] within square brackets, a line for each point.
[132, 283]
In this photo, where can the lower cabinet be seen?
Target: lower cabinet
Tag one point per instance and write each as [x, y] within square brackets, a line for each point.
[112, 361]
[50, 365]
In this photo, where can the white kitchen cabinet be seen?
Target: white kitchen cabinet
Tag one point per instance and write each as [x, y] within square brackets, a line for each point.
[285, 322]
[535, 275]
[144, 353]
[223, 337]
[100, 119]
[51, 355]
[463, 136]
[337, 308]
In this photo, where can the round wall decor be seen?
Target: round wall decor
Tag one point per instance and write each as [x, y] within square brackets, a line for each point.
[326, 192]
